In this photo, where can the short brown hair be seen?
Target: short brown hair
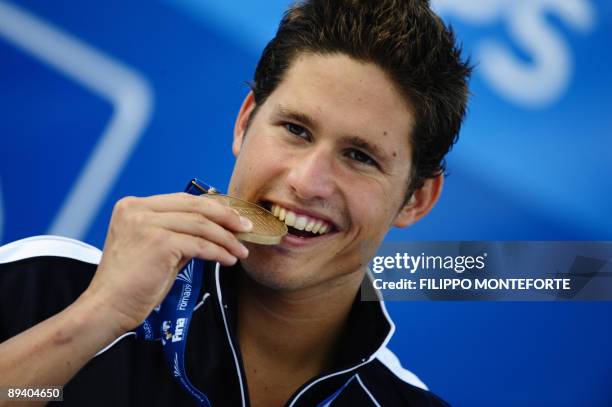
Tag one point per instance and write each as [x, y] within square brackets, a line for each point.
[403, 37]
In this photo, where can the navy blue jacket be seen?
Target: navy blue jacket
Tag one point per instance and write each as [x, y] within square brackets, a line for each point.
[40, 276]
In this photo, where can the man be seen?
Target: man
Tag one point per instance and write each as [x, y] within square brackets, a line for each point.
[353, 106]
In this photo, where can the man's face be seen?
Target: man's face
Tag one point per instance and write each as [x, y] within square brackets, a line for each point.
[329, 145]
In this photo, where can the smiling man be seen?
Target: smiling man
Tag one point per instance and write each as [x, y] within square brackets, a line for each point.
[338, 127]
[353, 107]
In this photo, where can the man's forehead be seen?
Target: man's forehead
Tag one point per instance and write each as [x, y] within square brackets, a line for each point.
[338, 88]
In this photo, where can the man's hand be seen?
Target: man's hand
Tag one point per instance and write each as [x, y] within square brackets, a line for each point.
[150, 239]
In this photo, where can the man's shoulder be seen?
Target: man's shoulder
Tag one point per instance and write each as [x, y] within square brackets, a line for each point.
[48, 246]
[39, 277]
[390, 384]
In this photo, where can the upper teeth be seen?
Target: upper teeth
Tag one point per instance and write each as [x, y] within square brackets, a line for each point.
[300, 222]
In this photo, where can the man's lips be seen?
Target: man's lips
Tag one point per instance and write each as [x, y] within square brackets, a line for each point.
[291, 240]
[301, 222]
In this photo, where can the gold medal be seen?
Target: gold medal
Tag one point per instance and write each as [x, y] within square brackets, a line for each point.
[267, 229]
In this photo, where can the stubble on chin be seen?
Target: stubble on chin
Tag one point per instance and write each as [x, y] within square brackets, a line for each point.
[271, 277]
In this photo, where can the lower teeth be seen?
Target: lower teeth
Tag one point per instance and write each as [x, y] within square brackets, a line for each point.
[301, 233]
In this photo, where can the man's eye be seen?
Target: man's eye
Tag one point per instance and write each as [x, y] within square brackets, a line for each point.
[297, 130]
[361, 157]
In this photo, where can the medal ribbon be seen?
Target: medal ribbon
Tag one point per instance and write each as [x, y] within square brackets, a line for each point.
[169, 321]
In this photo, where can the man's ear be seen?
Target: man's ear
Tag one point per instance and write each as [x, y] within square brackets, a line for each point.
[421, 202]
[240, 127]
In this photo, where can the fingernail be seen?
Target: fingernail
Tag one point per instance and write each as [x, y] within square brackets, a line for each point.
[244, 251]
[246, 223]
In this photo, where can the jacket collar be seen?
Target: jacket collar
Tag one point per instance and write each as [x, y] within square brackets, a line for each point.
[368, 328]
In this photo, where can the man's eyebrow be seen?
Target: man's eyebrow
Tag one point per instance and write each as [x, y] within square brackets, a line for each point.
[303, 118]
[355, 141]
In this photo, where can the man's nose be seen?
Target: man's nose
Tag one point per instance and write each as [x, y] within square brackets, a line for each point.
[311, 174]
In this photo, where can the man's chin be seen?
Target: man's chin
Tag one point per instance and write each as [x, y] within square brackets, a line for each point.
[274, 278]
[277, 269]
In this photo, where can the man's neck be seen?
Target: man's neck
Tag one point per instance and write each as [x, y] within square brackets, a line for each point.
[290, 337]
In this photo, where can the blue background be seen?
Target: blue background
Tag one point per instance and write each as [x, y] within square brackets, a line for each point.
[530, 167]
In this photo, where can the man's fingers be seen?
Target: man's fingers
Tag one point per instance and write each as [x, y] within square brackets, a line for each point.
[202, 227]
[192, 246]
[183, 202]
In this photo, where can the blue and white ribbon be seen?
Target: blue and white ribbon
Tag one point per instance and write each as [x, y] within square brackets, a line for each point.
[169, 321]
